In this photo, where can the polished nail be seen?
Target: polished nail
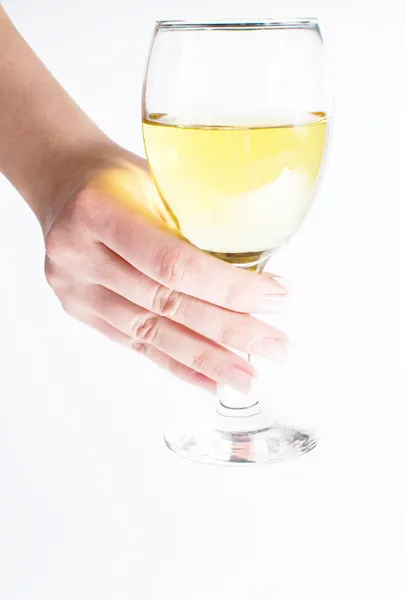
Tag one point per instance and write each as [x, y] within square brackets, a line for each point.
[271, 348]
[236, 378]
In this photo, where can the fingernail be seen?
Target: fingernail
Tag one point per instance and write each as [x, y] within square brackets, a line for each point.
[274, 287]
[270, 348]
[237, 378]
[278, 280]
[281, 281]
[271, 275]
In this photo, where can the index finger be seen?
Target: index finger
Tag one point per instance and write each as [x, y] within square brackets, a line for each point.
[178, 265]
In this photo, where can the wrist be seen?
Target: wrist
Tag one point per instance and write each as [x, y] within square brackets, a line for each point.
[46, 140]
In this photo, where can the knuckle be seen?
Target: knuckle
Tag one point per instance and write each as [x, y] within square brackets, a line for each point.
[227, 335]
[172, 266]
[52, 275]
[61, 246]
[56, 245]
[140, 348]
[166, 302]
[233, 294]
[145, 329]
[175, 368]
[200, 361]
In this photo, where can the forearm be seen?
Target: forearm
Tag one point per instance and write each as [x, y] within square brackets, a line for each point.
[43, 133]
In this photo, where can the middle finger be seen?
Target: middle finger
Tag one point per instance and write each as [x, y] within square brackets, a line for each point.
[175, 340]
[236, 330]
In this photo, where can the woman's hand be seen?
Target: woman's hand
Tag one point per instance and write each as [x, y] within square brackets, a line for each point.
[110, 256]
[115, 265]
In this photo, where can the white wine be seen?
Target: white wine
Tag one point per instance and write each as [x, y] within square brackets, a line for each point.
[236, 191]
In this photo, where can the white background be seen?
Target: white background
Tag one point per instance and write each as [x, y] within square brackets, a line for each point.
[92, 506]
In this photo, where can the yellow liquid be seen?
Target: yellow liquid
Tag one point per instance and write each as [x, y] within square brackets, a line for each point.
[236, 191]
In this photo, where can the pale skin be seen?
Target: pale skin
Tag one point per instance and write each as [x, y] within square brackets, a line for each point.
[110, 259]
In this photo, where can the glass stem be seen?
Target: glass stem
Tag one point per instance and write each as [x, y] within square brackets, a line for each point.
[234, 403]
[231, 402]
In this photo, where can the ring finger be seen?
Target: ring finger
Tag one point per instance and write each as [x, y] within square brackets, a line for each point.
[175, 340]
[236, 330]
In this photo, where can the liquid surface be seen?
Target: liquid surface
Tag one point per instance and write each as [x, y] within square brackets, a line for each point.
[236, 191]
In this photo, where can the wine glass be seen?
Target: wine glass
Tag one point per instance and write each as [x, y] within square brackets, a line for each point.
[235, 122]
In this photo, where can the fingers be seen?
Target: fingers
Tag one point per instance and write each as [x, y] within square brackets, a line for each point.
[178, 342]
[179, 266]
[147, 288]
[159, 358]
[236, 330]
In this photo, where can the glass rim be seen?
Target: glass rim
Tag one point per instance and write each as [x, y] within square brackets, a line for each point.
[287, 23]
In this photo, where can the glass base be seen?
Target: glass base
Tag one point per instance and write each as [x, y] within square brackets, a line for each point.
[239, 439]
